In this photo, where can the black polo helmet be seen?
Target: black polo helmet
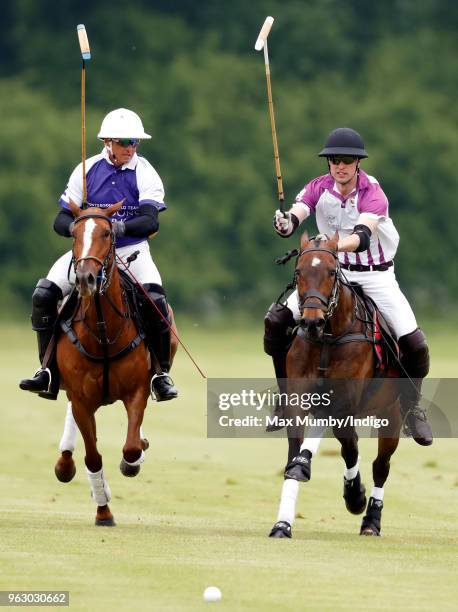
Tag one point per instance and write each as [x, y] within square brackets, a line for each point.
[344, 141]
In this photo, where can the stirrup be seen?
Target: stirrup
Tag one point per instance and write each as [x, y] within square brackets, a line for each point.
[156, 394]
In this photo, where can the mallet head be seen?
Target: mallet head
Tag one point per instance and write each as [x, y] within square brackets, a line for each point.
[84, 43]
[264, 33]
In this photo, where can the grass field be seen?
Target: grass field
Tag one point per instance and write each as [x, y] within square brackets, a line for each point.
[199, 512]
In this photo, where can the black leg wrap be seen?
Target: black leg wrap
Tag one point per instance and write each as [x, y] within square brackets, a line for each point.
[415, 360]
[300, 467]
[372, 521]
[354, 494]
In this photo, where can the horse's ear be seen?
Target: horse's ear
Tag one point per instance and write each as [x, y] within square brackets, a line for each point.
[76, 210]
[114, 208]
[304, 240]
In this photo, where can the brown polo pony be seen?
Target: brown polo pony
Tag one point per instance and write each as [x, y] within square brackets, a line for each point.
[334, 345]
[105, 360]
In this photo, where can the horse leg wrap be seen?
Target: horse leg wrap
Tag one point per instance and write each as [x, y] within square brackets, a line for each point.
[289, 493]
[354, 494]
[99, 487]
[371, 523]
[68, 440]
[139, 461]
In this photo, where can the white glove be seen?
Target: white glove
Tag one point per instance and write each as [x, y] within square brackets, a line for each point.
[283, 224]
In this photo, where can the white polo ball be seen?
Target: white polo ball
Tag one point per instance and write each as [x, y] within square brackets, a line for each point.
[212, 593]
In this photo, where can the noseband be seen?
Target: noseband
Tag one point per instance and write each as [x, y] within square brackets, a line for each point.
[326, 304]
[103, 279]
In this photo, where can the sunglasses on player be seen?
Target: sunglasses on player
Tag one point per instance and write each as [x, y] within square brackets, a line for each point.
[346, 159]
[126, 142]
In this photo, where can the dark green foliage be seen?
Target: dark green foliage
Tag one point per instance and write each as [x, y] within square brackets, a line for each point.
[388, 69]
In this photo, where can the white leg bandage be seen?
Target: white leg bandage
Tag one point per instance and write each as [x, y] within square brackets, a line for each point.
[313, 439]
[139, 461]
[350, 473]
[377, 493]
[287, 510]
[68, 440]
[99, 487]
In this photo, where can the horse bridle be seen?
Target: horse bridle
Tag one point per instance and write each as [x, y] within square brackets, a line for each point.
[103, 279]
[326, 304]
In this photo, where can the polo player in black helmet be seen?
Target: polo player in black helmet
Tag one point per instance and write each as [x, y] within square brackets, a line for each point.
[349, 201]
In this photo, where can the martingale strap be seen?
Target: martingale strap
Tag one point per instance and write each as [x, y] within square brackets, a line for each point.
[67, 329]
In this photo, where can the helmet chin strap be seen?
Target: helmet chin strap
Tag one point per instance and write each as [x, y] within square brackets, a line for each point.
[111, 154]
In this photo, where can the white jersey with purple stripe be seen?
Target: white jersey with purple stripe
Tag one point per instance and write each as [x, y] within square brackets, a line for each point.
[137, 182]
[335, 212]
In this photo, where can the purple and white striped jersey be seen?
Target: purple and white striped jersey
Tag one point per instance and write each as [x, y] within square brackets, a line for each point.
[335, 212]
[137, 182]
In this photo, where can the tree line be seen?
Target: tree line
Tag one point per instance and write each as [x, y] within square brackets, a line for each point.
[191, 72]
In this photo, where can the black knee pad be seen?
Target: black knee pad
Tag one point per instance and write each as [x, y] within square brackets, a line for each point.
[45, 298]
[278, 320]
[415, 354]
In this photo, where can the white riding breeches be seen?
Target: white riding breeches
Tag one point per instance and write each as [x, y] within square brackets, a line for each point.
[143, 267]
[383, 288]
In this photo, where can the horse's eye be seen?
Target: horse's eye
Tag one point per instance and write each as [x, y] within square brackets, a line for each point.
[106, 233]
[332, 273]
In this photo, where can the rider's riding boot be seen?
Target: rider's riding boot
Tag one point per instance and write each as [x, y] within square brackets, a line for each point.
[157, 329]
[45, 298]
[278, 321]
[415, 361]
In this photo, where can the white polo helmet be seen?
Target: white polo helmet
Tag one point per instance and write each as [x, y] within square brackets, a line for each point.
[122, 123]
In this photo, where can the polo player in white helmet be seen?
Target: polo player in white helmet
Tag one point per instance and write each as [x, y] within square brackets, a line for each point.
[116, 173]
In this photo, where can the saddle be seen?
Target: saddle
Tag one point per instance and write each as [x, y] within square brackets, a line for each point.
[386, 349]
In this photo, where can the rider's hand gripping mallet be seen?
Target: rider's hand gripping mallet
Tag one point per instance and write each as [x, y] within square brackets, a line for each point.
[261, 43]
[86, 55]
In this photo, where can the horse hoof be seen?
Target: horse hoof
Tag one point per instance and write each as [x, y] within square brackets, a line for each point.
[128, 470]
[108, 522]
[369, 531]
[65, 468]
[282, 529]
[145, 443]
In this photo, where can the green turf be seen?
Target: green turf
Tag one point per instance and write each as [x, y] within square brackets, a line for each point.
[199, 512]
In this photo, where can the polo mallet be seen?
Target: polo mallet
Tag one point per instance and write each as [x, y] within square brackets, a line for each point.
[261, 43]
[86, 55]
